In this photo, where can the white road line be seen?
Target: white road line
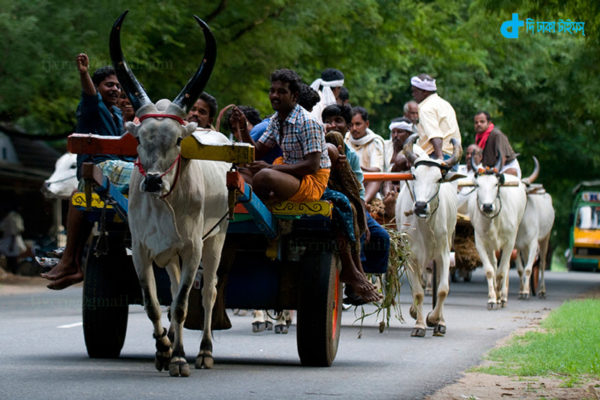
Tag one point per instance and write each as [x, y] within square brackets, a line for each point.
[76, 324]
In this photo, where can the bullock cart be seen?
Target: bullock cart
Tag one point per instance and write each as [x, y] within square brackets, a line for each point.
[281, 257]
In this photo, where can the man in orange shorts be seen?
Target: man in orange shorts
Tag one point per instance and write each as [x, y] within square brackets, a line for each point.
[302, 173]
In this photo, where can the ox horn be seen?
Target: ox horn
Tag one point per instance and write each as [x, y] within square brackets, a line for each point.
[136, 93]
[408, 148]
[473, 166]
[498, 165]
[196, 84]
[536, 171]
[456, 153]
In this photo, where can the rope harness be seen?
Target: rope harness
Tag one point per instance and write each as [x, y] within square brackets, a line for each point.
[491, 171]
[444, 170]
[177, 161]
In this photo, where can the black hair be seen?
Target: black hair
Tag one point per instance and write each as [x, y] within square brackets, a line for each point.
[251, 114]
[362, 111]
[289, 76]
[332, 74]
[308, 97]
[102, 73]
[335, 110]
[212, 103]
[344, 94]
[487, 115]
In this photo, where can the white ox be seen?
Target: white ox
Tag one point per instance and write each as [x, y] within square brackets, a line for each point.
[63, 181]
[426, 211]
[174, 204]
[533, 237]
[496, 211]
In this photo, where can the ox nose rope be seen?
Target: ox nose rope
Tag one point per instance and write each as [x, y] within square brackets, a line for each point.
[177, 163]
[499, 206]
[437, 192]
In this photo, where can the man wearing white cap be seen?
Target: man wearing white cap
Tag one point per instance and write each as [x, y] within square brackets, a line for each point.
[329, 87]
[400, 130]
[437, 119]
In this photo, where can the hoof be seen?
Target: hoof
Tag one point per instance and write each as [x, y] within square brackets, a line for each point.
[430, 322]
[381, 327]
[418, 332]
[502, 303]
[439, 330]
[283, 328]
[161, 360]
[413, 312]
[523, 296]
[492, 306]
[179, 367]
[542, 295]
[204, 361]
[269, 325]
[258, 326]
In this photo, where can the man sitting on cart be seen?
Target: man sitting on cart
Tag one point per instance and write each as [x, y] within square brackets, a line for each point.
[302, 173]
[97, 113]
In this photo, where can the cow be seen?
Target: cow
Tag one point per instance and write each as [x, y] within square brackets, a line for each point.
[177, 207]
[63, 181]
[496, 211]
[533, 237]
[426, 211]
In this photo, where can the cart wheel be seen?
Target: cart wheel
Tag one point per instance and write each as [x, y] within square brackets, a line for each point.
[319, 309]
[105, 305]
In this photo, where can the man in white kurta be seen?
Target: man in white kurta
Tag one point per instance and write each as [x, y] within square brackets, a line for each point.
[437, 119]
[368, 146]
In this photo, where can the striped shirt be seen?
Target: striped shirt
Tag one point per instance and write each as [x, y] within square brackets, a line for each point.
[302, 135]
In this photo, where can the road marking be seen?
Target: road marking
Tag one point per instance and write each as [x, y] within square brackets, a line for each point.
[76, 324]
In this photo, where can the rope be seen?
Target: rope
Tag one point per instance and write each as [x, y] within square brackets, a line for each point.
[217, 224]
[218, 123]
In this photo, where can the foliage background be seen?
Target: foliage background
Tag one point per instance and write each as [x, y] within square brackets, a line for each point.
[541, 89]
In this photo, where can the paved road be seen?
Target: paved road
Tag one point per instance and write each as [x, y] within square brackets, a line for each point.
[43, 356]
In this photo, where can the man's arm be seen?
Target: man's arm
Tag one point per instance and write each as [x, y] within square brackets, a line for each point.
[309, 165]
[432, 130]
[87, 85]
[437, 147]
[239, 125]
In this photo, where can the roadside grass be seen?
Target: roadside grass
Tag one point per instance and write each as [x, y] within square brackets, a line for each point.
[567, 346]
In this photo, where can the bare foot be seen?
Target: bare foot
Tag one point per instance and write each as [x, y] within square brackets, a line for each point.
[361, 286]
[355, 279]
[353, 298]
[66, 281]
[62, 269]
[367, 293]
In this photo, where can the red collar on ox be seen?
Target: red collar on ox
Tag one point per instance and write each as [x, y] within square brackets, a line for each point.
[177, 161]
[171, 116]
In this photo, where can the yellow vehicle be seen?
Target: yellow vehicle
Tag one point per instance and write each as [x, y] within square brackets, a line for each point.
[584, 247]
